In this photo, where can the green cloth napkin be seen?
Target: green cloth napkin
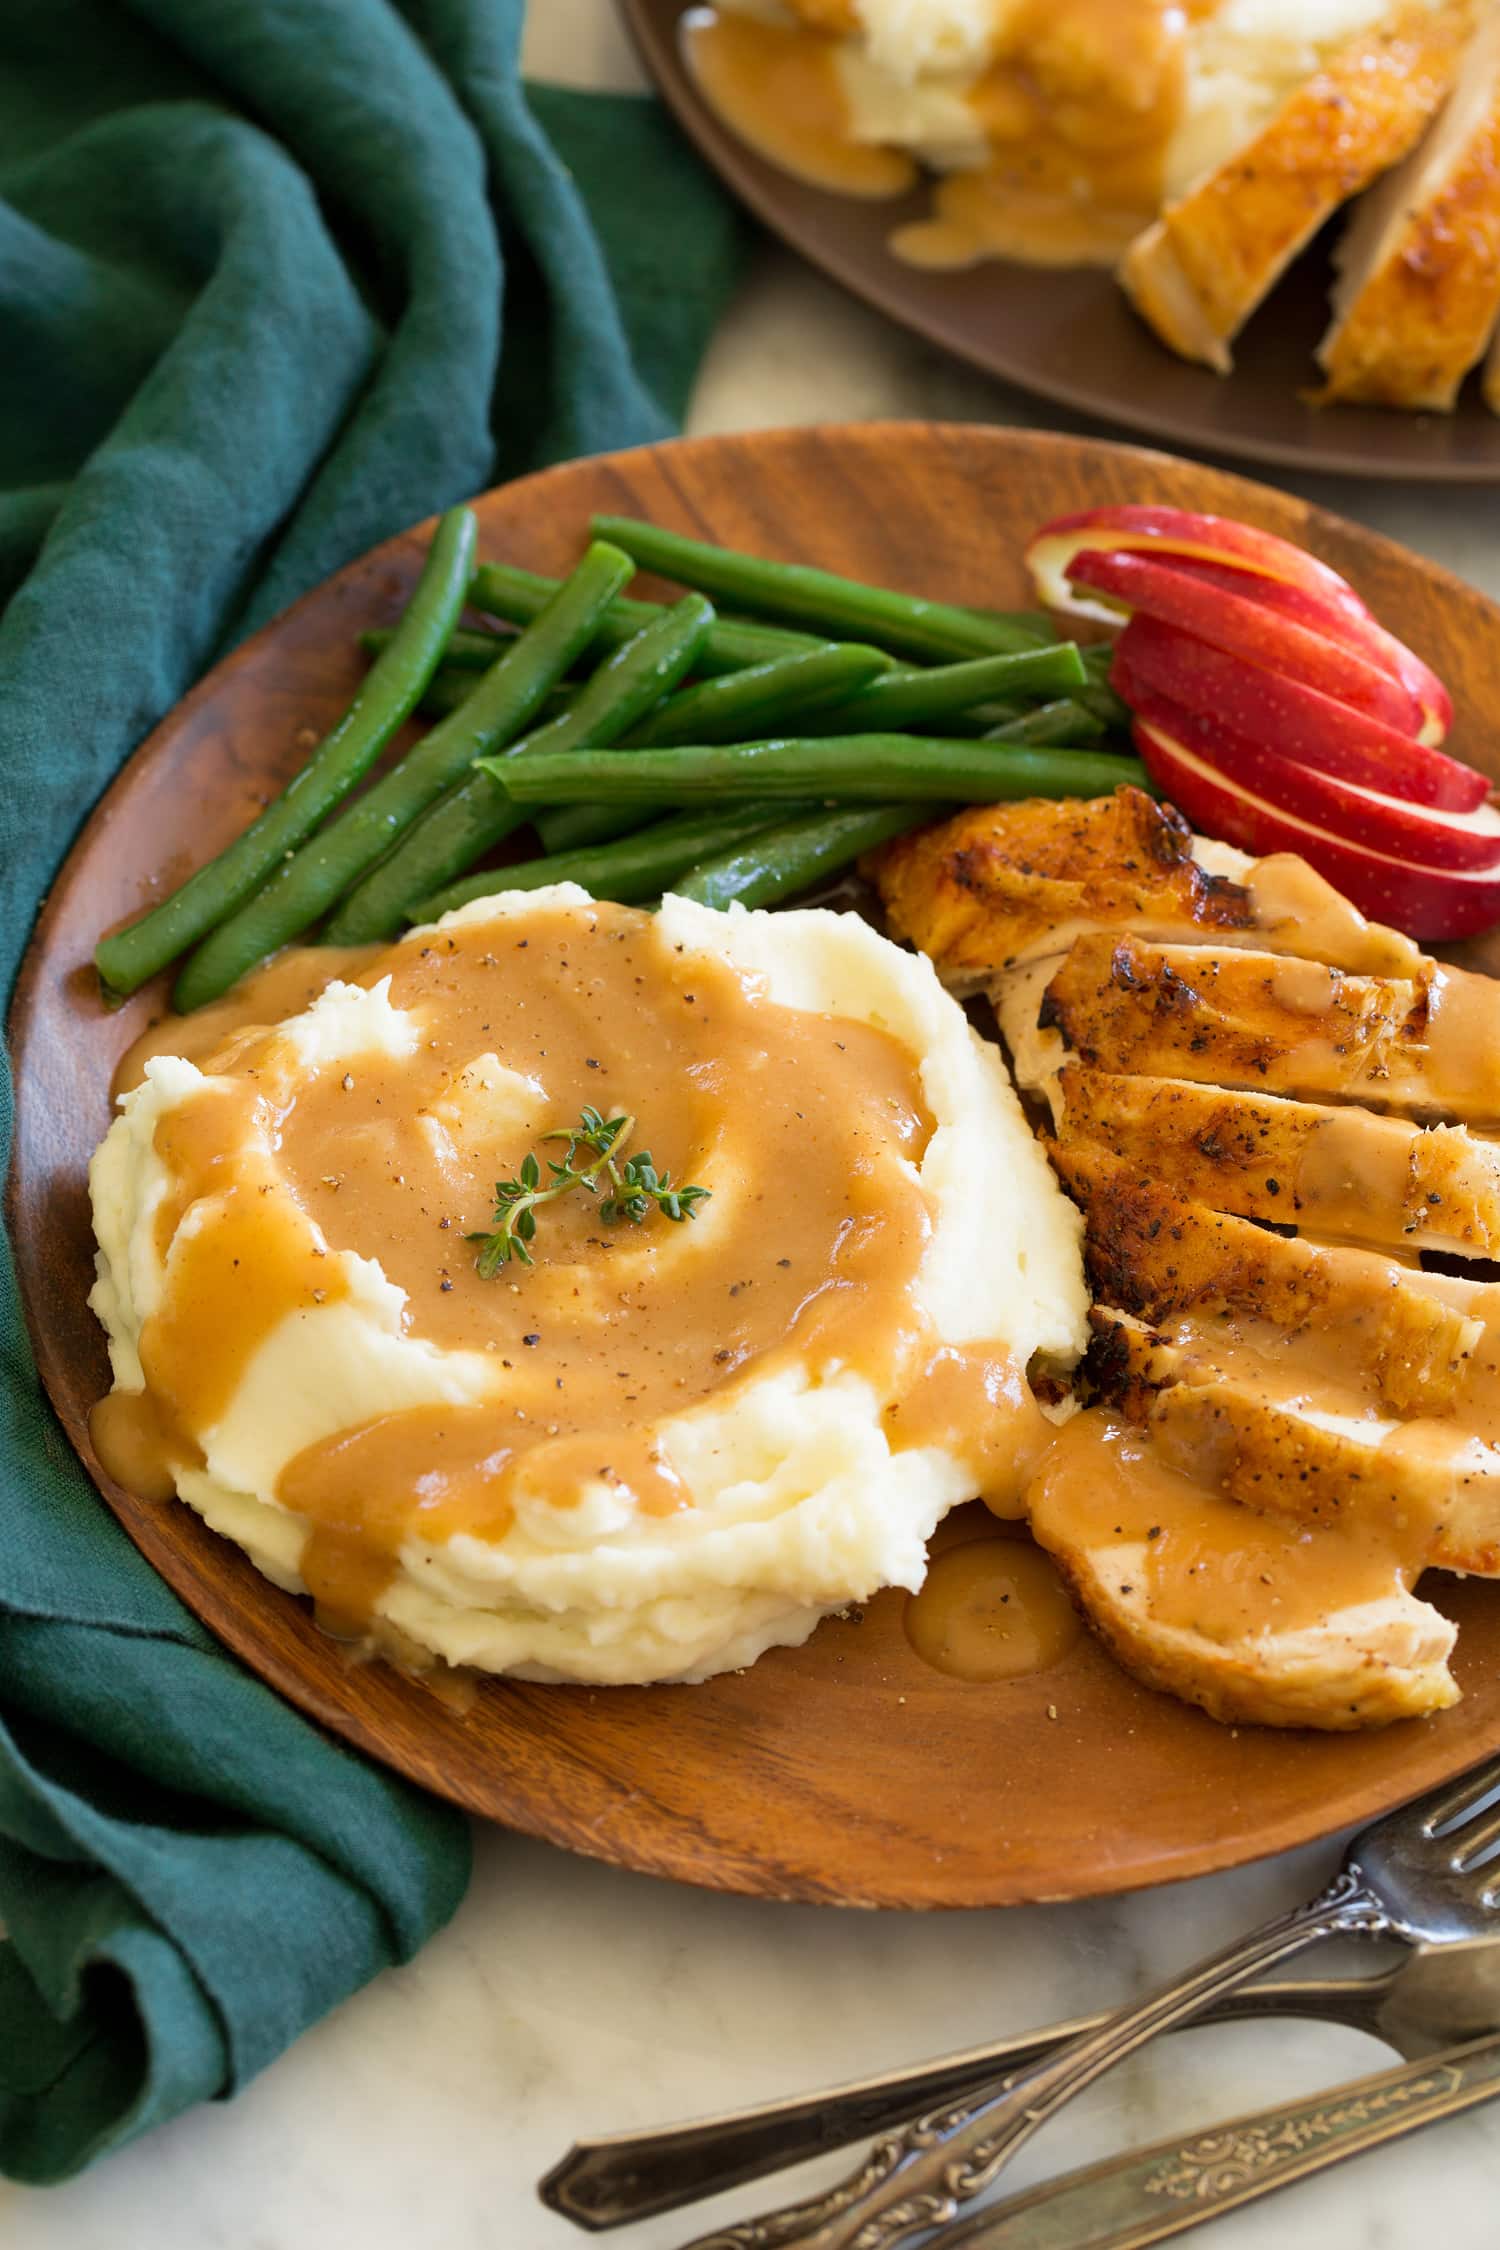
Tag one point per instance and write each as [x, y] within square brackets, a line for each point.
[277, 278]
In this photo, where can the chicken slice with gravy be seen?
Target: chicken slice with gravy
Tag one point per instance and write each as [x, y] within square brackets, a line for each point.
[1268, 1110]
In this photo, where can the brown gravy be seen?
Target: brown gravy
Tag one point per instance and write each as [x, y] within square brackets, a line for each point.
[136, 1446]
[289, 981]
[989, 1399]
[1196, 1561]
[1463, 1044]
[1077, 109]
[1303, 913]
[806, 1129]
[992, 1609]
[777, 87]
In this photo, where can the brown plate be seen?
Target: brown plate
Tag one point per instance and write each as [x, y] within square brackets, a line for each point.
[1072, 337]
[845, 1770]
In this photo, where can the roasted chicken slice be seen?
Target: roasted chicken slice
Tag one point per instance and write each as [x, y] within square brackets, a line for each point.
[1199, 271]
[1289, 1026]
[1004, 884]
[1256, 1619]
[1418, 291]
[1233, 1405]
[1224, 1049]
[1153, 1253]
[1001, 885]
[1337, 1172]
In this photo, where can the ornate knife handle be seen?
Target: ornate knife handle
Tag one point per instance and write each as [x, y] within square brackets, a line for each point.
[918, 2178]
[1130, 2201]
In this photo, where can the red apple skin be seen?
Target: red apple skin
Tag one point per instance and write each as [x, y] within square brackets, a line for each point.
[1291, 718]
[1276, 568]
[1254, 631]
[1356, 630]
[1387, 825]
[1182, 531]
[1424, 902]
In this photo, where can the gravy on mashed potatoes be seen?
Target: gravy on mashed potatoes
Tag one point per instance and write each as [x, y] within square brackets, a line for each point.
[1056, 128]
[662, 1448]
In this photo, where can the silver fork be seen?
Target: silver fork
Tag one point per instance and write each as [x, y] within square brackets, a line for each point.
[1431, 1997]
[1422, 1875]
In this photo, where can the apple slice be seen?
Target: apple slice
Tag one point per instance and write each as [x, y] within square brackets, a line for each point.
[1428, 903]
[1250, 629]
[1218, 539]
[1389, 825]
[1356, 630]
[1275, 568]
[1287, 716]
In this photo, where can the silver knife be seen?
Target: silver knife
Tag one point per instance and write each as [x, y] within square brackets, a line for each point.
[1146, 2195]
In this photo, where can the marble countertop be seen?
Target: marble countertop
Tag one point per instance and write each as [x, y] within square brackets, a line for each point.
[567, 1997]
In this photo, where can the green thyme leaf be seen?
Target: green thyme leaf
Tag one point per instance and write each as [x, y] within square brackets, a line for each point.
[588, 1161]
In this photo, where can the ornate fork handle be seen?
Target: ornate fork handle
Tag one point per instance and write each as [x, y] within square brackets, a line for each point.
[1145, 2195]
[918, 2178]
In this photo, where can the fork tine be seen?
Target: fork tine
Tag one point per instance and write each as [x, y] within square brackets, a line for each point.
[1453, 1806]
[1478, 1838]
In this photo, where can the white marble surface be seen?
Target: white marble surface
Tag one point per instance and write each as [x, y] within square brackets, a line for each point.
[566, 1996]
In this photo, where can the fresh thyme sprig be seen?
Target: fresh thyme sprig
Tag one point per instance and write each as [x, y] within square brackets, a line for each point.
[636, 1188]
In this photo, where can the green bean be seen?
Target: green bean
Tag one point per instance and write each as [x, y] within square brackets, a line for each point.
[1062, 721]
[738, 705]
[986, 718]
[388, 696]
[908, 697]
[506, 699]
[464, 825]
[1041, 621]
[860, 769]
[725, 709]
[572, 828]
[503, 590]
[1066, 721]
[449, 686]
[842, 607]
[782, 861]
[635, 868]
[1109, 707]
[1050, 723]
[452, 685]
[469, 650]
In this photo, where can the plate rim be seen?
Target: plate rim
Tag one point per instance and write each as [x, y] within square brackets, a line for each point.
[1207, 1856]
[747, 187]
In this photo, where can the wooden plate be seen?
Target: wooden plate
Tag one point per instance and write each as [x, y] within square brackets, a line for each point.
[845, 1770]
[1071, 336]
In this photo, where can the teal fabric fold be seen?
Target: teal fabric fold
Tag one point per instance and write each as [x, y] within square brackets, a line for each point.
[277, 278]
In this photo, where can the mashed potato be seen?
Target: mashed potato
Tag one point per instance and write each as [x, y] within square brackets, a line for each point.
[911, 64]
[332, 1375]
[1061, 126]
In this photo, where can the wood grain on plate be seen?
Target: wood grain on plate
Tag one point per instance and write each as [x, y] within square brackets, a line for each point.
[846, 1770]
[1071, 336]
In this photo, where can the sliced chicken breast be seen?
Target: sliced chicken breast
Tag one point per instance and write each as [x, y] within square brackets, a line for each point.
[1296, 1027]
[1200, 270]
[1231, 1406]
[1154, 1253]
[1343, 1173]
[1418, 292]
[1004, 884]
[1250, 1087]
[1257, 1620]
